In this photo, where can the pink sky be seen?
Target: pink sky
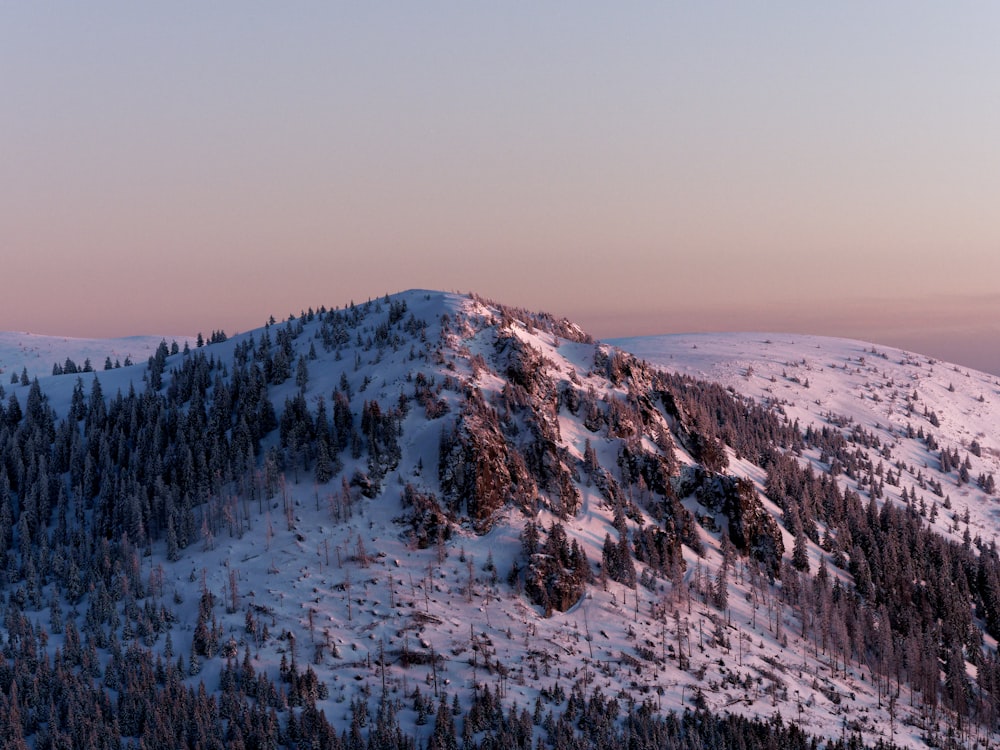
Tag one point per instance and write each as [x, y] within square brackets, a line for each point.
[659, 168]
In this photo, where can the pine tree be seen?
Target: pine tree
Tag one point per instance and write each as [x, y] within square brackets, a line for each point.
[720, 592]
[302, 373]
[800, 552]
[443, 737]
[324, 468]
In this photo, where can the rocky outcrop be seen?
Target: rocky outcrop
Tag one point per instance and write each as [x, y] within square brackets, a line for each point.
[752, 530]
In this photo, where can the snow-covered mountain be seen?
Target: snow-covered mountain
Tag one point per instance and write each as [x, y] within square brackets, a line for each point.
[355, 516]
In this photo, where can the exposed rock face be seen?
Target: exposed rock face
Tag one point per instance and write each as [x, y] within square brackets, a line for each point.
[505, 449]
[693, 431]
[473, 467]
[752, 530]
[557, 570]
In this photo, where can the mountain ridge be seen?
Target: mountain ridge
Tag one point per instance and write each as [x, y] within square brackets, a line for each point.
[542, 514]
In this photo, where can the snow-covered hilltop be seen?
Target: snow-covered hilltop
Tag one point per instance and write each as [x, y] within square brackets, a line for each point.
[813, 375]
[898, 396]
[35, 355]
[437, 518]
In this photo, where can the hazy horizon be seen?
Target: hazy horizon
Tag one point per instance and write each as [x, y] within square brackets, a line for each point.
[640, 168]
[928, 327]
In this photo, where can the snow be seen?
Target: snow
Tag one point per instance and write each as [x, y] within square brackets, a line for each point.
[813, 378]
[810, 377]
[38, 353]
[419, 599]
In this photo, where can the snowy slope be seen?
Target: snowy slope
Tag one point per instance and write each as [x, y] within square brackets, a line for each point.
[37, 354]
[887, 391]
[340, 583]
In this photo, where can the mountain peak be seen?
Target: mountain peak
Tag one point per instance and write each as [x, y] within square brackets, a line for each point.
[436, 490]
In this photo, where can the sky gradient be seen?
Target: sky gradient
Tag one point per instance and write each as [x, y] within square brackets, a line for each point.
[648, 168]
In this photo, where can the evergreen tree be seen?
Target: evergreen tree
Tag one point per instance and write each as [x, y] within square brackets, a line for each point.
[800, 552]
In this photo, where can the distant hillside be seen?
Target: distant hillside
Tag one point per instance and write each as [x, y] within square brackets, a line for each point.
[36, 356]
